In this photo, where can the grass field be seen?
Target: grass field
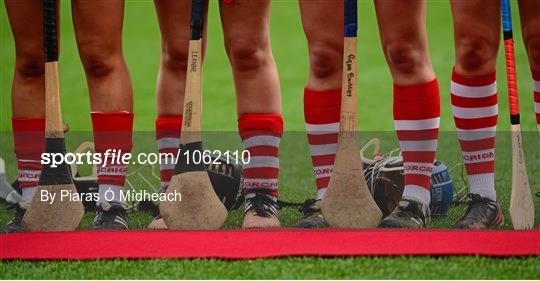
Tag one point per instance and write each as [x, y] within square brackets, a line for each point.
[141, 47]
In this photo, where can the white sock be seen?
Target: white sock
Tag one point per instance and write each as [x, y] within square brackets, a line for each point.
[110, 193]
[28, 193]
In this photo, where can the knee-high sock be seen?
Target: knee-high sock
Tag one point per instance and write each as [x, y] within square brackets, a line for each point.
[536, 85]
[29, 141]
[474, 104]
[112, 132]
[321, 113]
[261, 135]
[168, 131]
[417, 117]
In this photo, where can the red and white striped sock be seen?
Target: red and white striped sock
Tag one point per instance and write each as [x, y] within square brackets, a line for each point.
[416, 118]
[113, 132]
[474, 104]
[168, 131]
[321, 113]
[536, 82]
[29, 144]
[261, 135]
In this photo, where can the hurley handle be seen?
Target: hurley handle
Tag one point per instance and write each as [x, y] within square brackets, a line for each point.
[50, 37]
[513, 97]
[197, 19]
[54, 126]
[349, 102]
[351, 18]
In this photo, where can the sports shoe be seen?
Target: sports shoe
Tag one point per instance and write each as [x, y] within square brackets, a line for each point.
[110, 215]
[158, 224]
[261, 212]
[407, 214]
[15, 225]
[313, 217]
[482, 213]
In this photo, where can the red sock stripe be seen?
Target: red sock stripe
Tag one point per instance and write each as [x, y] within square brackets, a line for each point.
[474, 81]
[474, 102]
[417, 102]
[537, 96]
[419, 156]
[323, 160]
[263, 150]
[476, 145]
[322, 182]
[477, 123]
[323, 139]
[420, 180]
[412, 135]
[480, 168]
[535, 74]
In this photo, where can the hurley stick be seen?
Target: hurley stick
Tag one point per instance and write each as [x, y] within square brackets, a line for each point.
[200, 208]
[65, 212]
[347, 201]
[521, 202]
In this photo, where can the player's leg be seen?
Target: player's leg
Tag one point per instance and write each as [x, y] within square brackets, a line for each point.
[247, 42]
[28, 98]
[477, 29]
[98, 29]
[174, 19]
[530, 26]
[322, 94]
[416, 104]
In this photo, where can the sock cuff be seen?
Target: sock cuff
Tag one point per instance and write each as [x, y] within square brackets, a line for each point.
[474, 81]
[112, 130]
[324, 98]
[422, 91]
[322, 107]
[28, 137]
[168, 126]
[417, 102]
[260, 124]
[535, 74]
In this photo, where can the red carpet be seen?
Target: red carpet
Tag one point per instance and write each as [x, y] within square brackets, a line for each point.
[237, 244]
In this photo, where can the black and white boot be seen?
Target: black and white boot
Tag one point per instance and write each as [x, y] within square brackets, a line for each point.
[313, 217]
[110, 215]
[15, 225]
[482, 213]
[408, 214]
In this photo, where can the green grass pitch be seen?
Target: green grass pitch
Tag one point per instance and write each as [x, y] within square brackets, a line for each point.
[141, 46]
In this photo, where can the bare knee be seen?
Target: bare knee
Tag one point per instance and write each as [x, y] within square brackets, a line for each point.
[476, 54]
[245, 55]
[29, 66]
[98, 62]
[174, 57]
[403, 58]
[325, 60]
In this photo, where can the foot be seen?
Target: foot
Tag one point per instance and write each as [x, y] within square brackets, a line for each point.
[15, 225]
[482, 213]
[313, 217]
[407, 214]
[261, 212]
[110, 215]
[158, 224]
